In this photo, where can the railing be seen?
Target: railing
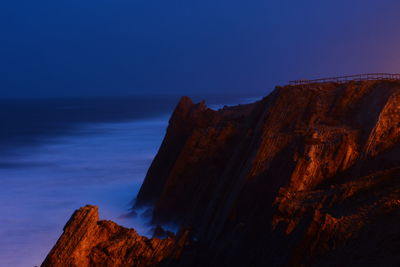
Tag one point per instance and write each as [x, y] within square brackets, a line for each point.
[345, 79]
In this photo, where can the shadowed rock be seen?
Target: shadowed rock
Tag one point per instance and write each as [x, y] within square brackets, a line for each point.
[286, 174]
[309, 176]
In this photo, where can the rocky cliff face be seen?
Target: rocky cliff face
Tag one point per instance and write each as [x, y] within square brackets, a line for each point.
[87, 241]
[309, 175]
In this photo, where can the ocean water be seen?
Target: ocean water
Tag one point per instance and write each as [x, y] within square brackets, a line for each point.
[58, 155]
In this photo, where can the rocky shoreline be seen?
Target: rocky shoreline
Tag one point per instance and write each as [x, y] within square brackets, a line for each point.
[307, 176]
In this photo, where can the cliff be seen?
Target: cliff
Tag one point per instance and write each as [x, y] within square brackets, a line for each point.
[87, 241]
[309, 175]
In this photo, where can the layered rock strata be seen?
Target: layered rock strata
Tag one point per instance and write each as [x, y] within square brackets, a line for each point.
[309, 175]
[88, 241]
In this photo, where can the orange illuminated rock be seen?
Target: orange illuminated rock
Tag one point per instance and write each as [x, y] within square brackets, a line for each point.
[309, 175]
[282, 174]
[87, 241]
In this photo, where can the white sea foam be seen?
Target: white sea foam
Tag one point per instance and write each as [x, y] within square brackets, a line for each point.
[102, 164]
[62, 168]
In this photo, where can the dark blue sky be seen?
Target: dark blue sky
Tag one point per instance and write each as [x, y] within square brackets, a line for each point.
[119, 47]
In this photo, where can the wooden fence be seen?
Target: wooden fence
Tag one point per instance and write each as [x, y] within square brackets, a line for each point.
[345, 79]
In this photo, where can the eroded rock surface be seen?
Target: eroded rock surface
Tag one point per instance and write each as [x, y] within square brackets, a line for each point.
[304, 173]
[307, 176]
[87, 241]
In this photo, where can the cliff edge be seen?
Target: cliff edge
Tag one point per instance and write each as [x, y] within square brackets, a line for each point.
[309, 175]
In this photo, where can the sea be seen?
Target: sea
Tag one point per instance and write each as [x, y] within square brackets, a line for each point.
[57, 155]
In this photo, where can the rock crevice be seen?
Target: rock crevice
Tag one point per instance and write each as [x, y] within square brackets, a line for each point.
[308, 175]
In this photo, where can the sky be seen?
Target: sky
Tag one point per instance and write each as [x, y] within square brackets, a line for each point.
[58, 48]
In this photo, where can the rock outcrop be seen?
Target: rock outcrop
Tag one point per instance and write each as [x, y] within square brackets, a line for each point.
[309, 176]
[87, 241]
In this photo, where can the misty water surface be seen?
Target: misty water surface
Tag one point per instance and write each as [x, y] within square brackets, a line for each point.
[58, 155]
